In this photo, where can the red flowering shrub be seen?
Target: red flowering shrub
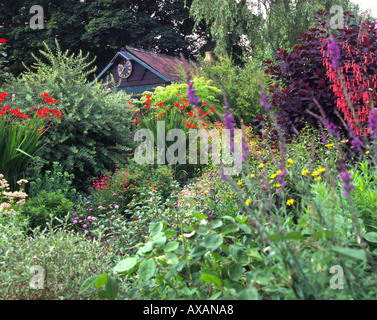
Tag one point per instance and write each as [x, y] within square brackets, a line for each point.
[315, 70]
[20, 134]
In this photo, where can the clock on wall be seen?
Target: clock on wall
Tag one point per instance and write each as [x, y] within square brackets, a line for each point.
[124, 69]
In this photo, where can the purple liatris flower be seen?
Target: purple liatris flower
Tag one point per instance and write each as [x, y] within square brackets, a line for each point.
[334, 51]
[264, 102]
[373, 122]
[192, 98]
[356, 143]
[229, 123]
[346, 179]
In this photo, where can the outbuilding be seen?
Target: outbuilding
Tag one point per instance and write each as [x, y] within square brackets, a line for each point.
[139, 70]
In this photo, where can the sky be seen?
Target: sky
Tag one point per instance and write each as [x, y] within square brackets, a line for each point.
[367, 4]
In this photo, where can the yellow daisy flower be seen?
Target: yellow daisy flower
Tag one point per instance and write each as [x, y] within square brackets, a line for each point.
[252, 175]
[329, 145]
[290, 202]
[321, 169]
[261, 165]
[318, 178]
[273, 176]
[315, 173]
[305, 172]
[248, 201]
[290, 160]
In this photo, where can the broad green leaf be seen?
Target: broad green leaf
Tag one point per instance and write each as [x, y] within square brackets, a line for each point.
[213, 241]
[198, 251]
[171, 258]
[238, 254]
[156, 228]
[209, 276]
[148, 247]
[356, 254]
[249, 294]
[229, 228]
[88, 283]
[200, 216]
[294, 235]
[371, 237]
[111, 288]
[216, 224]
[235, 271]
[275, 237]
[101, 280]
[125, 265]
[171, 246]
[147, 269]
[327, 234]
[254, 254]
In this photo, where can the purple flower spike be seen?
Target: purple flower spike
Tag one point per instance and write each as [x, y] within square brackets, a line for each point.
[192, 98]
[334, 52]
[346, 179]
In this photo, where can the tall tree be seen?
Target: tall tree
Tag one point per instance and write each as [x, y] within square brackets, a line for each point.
[99, 27]
[259, 26]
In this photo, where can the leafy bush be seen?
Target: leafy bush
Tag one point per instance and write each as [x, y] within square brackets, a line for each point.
[131, 184]
[54, 180]
[95, 133]
[64, 257]
[241, 85]
[47, 207]
[306, 82]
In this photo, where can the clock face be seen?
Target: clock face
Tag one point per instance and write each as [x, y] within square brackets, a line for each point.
[125, 69]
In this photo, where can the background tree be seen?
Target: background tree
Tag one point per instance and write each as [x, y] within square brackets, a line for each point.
[259, 27]
[100, 27]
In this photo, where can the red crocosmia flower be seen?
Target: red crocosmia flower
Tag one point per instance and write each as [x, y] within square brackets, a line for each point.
[136, 121]
[204, 103]
[129, 107]
[156, 117]
[129, 102]
[160, 104]
[189, 114]
[148, 100]
[148, 96]
[177, 104]
[194, 126]
[45, 95]
[3, 40]
[178, 94]
[137, 111]
[192, 120]
[212, 108]
[188, 125]
[206, 112]
[147, 106]
[41, 129]
[203, 124]
[50, 100]
[184, 100]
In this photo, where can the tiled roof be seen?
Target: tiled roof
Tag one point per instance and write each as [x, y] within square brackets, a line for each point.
[162, 63]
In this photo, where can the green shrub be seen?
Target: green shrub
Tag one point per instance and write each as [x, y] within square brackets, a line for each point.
[241, 85]
[65, 258]
[95, 132]
[46, 207]
[54, 180]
